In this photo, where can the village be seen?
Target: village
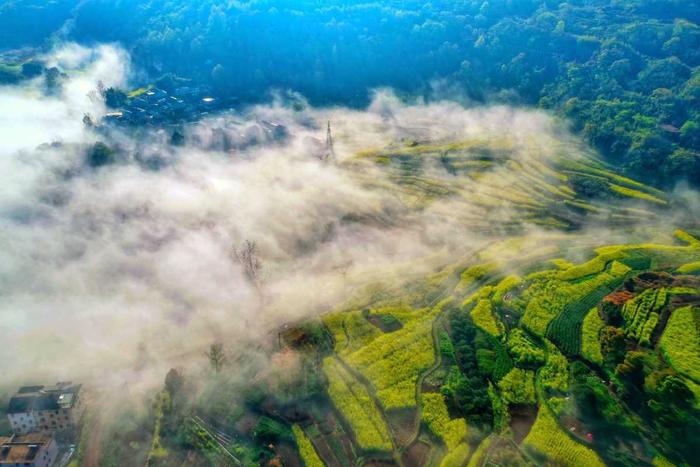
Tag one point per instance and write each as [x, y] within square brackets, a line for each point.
[155, 106]
[45, 423]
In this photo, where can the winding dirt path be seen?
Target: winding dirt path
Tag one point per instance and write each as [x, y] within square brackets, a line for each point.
[92, 450]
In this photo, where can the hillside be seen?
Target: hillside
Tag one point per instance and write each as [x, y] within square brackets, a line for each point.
[303, 233]
[547, 344]
[587, 351]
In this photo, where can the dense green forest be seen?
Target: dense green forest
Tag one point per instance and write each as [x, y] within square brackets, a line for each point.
[625, 72]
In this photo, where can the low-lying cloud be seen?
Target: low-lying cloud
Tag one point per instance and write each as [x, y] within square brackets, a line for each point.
[117, 273]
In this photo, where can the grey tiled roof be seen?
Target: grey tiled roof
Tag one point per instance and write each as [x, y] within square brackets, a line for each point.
[36, 398]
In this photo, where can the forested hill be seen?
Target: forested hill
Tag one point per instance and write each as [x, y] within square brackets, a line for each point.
[625, 72]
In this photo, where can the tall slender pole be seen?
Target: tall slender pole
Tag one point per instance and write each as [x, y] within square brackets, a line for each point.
[330, 151]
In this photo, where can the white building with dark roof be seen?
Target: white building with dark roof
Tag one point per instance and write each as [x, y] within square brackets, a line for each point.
[45, 408]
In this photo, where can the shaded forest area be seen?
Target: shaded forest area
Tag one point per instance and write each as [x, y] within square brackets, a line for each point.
[624, 72]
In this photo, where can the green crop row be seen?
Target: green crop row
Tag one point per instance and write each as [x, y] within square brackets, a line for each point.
[457, 456]
[350, 330]
[493, 358]
[501, 415]
[590, 336]
[554, 375]
[352, 399]
[680, 342]
[648, 328]
[593, 266]
[393, 362]
[632, 193]
[684, 236]
[477, 458]
[566, 328]
[683, 291]
[524, 351]
[435, 415]
[561, 263]
[641, 313]
[518, 387]
[689, 268]
[483, 317]
[662, 255]
[660, 461]
[548, 438]
[306, 449]
[549, 297]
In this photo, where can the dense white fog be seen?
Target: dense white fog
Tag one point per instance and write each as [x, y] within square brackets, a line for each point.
[117, 273]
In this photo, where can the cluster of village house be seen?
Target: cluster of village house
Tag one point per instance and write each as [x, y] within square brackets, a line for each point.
[39, 416]
[157, 106]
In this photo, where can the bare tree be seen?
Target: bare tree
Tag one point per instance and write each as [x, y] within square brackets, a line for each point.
[216, 356]
[101, 89]
[247, 257]
[329, 151]
[88, 121]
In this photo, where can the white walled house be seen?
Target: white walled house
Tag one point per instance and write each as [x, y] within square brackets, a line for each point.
[45, 408]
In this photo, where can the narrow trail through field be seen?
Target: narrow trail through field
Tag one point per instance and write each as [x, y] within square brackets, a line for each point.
[92, 450]
[449, 285]
[438, 321]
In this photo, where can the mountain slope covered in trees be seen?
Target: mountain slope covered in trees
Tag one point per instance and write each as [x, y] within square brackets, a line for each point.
[625, 72]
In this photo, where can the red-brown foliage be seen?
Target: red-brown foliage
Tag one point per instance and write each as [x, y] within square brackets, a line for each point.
[619, 297]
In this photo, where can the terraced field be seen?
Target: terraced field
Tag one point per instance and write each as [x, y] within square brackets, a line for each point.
[546, 327]
[543, 182]
[543, 330]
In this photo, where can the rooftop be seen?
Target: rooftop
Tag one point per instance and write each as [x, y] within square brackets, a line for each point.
[22, 449]
[36, 398]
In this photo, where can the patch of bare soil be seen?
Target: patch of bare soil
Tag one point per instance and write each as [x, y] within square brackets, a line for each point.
[380, 463]
[288, 455]
[416, 455]
[92, 450]
[521, 419]
[402, 424]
